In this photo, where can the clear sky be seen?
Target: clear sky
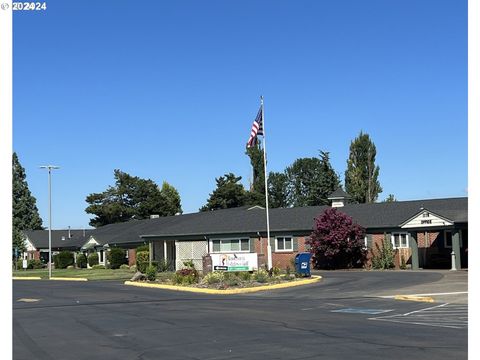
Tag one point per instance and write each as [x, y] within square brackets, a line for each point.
[168, 90]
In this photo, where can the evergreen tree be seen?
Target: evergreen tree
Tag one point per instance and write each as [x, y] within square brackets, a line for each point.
[25, 214]
[256, 194]
[228, 194]
[328, 180]
[132, 197]
[390, 198]
[361, 176]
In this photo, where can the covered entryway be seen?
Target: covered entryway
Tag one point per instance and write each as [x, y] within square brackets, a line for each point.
[164, 253]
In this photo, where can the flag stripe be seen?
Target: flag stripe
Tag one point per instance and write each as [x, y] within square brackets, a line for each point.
[257, 129]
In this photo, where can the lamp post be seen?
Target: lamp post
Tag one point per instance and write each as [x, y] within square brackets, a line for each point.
[49, 167]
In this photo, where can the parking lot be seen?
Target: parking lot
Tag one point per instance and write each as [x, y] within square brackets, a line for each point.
[349, 314]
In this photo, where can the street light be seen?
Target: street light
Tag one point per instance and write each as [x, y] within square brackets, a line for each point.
[49, 167]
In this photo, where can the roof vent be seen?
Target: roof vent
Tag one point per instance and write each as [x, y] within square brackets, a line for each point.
[63, 238]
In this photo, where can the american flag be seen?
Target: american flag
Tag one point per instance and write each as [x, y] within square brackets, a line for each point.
[257, 129]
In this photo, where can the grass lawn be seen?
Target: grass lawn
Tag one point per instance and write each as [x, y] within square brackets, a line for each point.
[90, 274]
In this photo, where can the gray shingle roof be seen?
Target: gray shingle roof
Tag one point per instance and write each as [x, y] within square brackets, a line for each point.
[247, 220]
[39, 238]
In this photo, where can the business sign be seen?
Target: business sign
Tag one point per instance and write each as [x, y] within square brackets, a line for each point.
[235, 262]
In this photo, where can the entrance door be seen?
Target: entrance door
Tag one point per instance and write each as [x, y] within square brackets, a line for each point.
[171, 255]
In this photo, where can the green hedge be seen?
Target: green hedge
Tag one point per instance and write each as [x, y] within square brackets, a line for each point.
[81, 261]
[63, 259]
[93, 259]
[116, 257]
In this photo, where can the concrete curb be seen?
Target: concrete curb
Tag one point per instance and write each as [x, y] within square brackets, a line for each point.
[312, 280]
[414, 298]
[27, 278]
[52, 278]
[68, 279]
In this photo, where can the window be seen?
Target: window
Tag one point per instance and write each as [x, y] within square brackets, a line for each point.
[400, 240]
[284, 243]
[448, 239]
[230, 245]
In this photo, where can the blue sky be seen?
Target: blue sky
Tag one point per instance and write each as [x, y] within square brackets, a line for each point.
[168, 90]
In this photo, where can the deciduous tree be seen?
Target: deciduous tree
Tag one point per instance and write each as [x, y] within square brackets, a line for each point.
[336, 241]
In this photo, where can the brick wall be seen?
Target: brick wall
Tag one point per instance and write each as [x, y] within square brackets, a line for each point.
[132, 257]
[281, 260]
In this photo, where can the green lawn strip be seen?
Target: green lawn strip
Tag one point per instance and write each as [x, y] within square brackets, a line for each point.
[90, 274]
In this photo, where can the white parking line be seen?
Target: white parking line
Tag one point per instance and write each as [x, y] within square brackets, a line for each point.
[430, 294]
[436, 316]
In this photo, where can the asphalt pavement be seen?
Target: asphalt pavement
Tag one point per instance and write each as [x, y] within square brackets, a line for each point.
[347, 315]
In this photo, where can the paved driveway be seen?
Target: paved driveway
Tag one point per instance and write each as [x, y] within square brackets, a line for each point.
[342, 317]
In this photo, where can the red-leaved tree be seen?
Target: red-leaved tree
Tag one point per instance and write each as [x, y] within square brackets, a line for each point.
[336, 241]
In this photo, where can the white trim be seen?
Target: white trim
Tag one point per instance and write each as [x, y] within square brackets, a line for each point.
[283, 250]
[392, 239]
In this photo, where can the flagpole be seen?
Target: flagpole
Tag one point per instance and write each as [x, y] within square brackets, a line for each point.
[269, 247]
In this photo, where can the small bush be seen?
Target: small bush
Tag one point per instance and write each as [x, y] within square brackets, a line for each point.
[275, 271]
[261, 276]
[124, 267]
[213, 278]
[151, 273]
[143, 248]
[383, 258]
[34, 264]
[185, 277]
[116, 257]
[245, 276]
[92, 259]
[164, 265]
[142, 259]
[63, 260]
[231, 279]
[95, 267]
[133, 268]
[81, 261]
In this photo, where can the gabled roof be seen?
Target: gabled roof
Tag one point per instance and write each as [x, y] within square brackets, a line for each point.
[60, 239]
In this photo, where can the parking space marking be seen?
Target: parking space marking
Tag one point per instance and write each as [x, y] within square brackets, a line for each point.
[361, 311]
[446, 315]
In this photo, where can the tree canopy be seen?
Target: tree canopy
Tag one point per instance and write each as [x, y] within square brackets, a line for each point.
[132, 197]
[336, 241]
[311, 180]
[228, 194]
[361, 176]
[25, 214]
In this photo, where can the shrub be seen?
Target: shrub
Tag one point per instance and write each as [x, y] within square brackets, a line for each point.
[124, 267]
[185, 276]
[95, 267]
[133, 268]
[142, 258]
[383, 257]
[213, 278]
[93, 259]
[245, 276]
[151, 273]
[63, 259]
[81, 260]
[34, 264]
[231, 279]
[70, 267]
[116, 257]
[336, 241]
[275, 271]
[143, 248]
[261, 276]
[164, 265]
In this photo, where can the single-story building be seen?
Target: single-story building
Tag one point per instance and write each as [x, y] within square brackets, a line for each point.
[423, 232]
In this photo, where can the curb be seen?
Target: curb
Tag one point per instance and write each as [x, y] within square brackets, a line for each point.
[52, 278]
[314, 279]
[68, 279]
[27, 278]
[414, 298]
